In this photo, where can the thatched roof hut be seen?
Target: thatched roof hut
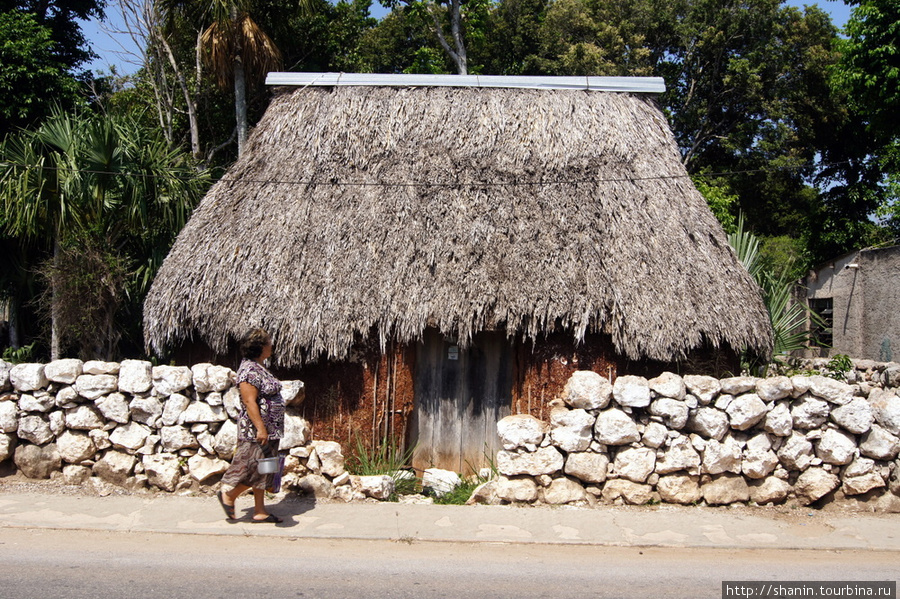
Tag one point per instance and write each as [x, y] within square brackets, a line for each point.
[370, 209]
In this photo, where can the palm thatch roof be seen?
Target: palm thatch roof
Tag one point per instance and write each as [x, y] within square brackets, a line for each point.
[389, 209]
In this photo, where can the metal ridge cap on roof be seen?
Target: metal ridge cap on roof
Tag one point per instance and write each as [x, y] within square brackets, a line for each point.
[645, 85]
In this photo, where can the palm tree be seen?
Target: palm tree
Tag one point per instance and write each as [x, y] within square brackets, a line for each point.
[237, 52]
[101, 179]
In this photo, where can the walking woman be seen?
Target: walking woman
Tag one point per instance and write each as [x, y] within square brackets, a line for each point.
[261, 423]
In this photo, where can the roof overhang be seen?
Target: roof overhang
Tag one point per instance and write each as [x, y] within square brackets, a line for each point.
[643, 85]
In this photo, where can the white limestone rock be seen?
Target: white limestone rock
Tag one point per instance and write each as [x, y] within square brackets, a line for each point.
[679, 488]
[73, 474]
[171, 379]
[571, 430]
[587, 466]
[757, 464]
[857, 485]
[655, 435]
[836, 447]
[75, 448]
[293, 393]
[84, 417]
[173, 408]
[562, 491]
[440, 481]
[632, 391]
[163, 470]
[208, 377]
[801, 385]
[724, 456]
[39, 402]
[679, 455]
[135, 376]
[630, 492]
[146, 410]
[521, 430]
[673, 412]
[114, 467]
[98, 367]
[198, 411]
[297, 431]
[725, 489]
[64, 371]
[855, 417]
[759, 442]
[615, 427]
[114, 407]
[57, 420]
[778, 420]
[9, 420]
[131, 436]
[774, 388]
[175, 438]
[859, 467]
[206, 440]
[796, 453]
[7, 446]
[879, 444]
[202, 468]
[738, 385]
[769, 490]
[37, 462]
[379, 487]
[704, 388]
[231, 400]
[225, 440]
[5, 367]
[745, 410]
[516, 490]
[34, 429]
[708, 422]
[670, 385]
[546, 460]
[213, 398]
[886, 409]
[635, 463]
[28, 377]
[831, 390]
[587, 390]
[330, 457]
[94, 386]
[67, 397]
[809, 412]
[100, 438]
[815, 483]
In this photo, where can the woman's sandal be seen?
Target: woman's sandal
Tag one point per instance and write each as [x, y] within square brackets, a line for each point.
[228, 509]
[270, 518]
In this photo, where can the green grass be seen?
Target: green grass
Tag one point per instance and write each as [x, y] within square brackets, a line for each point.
[384, 458]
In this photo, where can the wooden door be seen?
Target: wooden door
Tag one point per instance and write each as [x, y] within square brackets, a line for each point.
[460, 395]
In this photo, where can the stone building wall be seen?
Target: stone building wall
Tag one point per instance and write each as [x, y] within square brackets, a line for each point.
[698, 439]
[672, 439]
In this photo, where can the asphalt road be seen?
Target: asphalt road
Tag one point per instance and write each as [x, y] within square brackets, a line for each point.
[45, 564]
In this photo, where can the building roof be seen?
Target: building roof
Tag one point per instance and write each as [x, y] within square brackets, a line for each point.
[381, 210]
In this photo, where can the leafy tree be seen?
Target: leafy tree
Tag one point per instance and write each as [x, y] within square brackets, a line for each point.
[61, 18]
[101, 182]
[31, 75]
[869, 75]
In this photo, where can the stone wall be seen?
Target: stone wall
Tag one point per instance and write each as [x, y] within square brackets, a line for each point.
[138, 426]
[691, 439]
[698, 439]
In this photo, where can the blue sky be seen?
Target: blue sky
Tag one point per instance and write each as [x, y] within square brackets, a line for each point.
[113, 48]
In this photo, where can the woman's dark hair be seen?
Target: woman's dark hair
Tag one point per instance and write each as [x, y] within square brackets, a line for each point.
[253, 343]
